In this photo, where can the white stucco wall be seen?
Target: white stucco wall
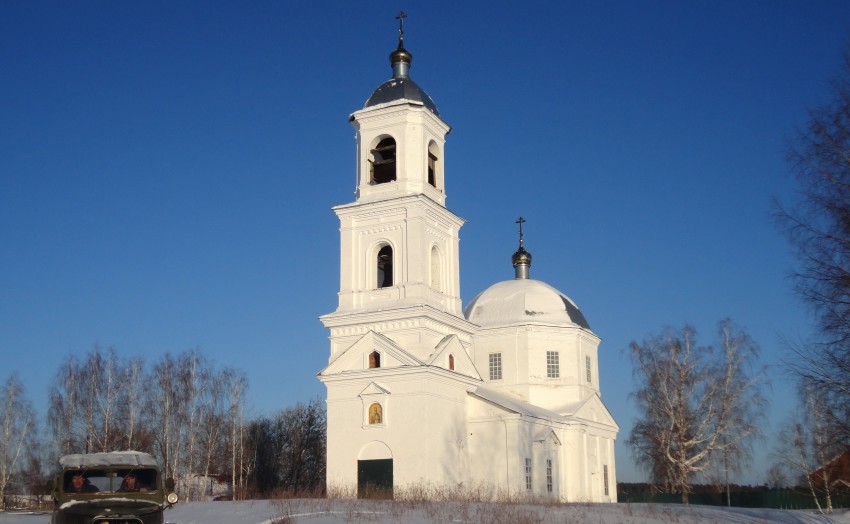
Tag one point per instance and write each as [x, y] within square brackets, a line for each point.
[424, 426]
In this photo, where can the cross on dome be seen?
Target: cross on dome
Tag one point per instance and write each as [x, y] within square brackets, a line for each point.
[520, 221]
[522, 258]
[401, 16]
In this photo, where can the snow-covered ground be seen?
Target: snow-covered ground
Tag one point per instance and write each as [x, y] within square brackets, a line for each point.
[322, 511]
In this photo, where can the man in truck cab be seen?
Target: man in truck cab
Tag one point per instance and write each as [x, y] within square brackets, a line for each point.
[80, 484]
[131, 483]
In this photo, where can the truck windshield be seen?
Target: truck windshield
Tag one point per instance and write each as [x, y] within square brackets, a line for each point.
[119, 480]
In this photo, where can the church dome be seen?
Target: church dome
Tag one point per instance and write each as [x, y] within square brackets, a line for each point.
[400, 86]
[401, 89]
[523, 301]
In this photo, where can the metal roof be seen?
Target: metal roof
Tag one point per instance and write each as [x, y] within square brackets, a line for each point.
[401, 89]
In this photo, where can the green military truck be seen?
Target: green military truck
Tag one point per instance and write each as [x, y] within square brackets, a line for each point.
[119, 487]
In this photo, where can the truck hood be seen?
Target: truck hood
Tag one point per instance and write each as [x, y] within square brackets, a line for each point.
[110, 507]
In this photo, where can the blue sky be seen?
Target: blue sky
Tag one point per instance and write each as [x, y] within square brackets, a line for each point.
[167, 170]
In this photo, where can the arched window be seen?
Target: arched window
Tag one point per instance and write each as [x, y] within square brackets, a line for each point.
[432, 163]
[452, 362]
[385, 267]
[436, 280]
[374, 359]
[383, 161]
[376, 414]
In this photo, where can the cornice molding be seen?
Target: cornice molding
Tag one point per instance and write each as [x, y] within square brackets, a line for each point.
[421, 312]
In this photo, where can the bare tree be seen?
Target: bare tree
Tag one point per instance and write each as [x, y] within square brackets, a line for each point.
[806, 446]
[777, 477]
[306, 446]
[818, 227]
[741, 401]
[163, 411]
[183, 411]
[62, 410]
[132, 383]
[288, 450]
[34, 474]
[17, 421]
[213, 426]
[237, 385]
[195, 377]
[699, 407]
[94, 403]
[102, 377]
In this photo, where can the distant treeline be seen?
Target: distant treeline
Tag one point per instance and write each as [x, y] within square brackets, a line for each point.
[741, 496]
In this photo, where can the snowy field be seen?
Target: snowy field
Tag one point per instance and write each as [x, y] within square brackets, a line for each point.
[322, 511]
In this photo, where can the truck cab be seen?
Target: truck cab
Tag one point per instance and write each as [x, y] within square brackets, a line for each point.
[119, 487]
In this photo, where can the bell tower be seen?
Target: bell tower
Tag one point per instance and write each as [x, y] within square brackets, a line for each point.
[400, 137]
[399, 244]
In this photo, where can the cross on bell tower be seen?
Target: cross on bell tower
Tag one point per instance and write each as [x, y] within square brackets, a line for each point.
[401, 16]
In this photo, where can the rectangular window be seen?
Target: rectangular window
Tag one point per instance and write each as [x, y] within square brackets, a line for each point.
[605, 478]
[528, 474]
[495, 366]
[587, 368]
[553, 368]
[549, 486]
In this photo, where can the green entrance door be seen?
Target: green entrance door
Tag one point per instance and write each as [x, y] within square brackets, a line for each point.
[375, 479]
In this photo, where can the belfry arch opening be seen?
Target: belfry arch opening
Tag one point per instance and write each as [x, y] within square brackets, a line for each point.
[384, 266]
[433, 163]
[383, 162]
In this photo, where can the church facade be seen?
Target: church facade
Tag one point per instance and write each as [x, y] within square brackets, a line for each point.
[503, 395]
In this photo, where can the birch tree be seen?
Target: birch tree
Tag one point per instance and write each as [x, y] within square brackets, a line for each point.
[695, 404]
[183, 411]
[805, 446]
[93, 403]
[62, 410]
[237, 385]
[741, 401]
[163, 411]
[102, 380]
[195, 377]
[17, 421]
[135, 436]
[212, 428]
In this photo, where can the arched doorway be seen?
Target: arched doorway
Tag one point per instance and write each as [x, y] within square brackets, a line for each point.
[375, 472]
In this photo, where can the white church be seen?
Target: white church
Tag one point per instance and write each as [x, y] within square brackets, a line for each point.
[502, 395]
